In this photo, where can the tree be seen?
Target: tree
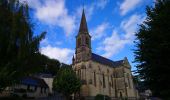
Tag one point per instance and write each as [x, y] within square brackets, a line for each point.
[18, 46]
[153, 47]
[66, 81]
[139, 84]
[46, 64]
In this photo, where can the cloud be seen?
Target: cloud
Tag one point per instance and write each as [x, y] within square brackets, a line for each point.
[128, 5]
[130, 25]
[32, 3]
[116, 42]
[62, 54]
[53, 12]
[89, 9]
[102, 3]
[112, 45]
[99, 31]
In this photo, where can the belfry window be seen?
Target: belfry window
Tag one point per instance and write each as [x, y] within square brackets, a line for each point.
[79, 42]
[87, 40]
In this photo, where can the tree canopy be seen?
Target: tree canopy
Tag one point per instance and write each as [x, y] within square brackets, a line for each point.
[66, 81]
[153, 47]
[18, 46]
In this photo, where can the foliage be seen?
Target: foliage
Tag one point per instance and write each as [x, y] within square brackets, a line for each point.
[5, 78]
[49, 65]
[139, 84]
[18, 46]
[153, 47]
[66, 81]
[102, 97]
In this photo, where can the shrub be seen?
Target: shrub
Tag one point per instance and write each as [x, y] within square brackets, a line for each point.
[101, 97]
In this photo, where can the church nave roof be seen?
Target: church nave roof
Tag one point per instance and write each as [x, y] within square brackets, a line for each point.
[105, 61]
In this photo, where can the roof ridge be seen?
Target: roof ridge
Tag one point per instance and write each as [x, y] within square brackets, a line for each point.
[104, 57]
[106, 61]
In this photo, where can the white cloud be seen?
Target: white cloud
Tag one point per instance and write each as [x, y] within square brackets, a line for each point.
[89, 9]
[130, 25]
[53, 12]
[128, 5]
[112, 45]
[116, 42]
[99, 31]
[32, 3]
[102, 3]
[62, 54]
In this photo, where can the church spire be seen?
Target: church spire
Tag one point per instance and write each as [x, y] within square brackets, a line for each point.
[83, 25]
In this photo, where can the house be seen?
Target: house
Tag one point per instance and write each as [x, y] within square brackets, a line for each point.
[31, 87]
[48, 78]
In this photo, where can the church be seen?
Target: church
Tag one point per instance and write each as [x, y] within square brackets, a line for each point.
[98, 74]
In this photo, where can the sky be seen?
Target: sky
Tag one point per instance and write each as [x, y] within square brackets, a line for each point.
[111, 23]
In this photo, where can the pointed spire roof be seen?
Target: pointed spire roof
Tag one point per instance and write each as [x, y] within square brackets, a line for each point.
[83, 24]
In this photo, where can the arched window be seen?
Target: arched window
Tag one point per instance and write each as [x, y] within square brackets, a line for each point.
[87, 40]
[128, 77]
[78, 42]
[104, 85]
[108, 71]
[94, 78]
[112, 80]
[90, 66]
[120, 94]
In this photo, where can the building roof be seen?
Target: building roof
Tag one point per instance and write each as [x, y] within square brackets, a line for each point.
[44, 75]
[33, 81]
[83, 24]
[105, 61]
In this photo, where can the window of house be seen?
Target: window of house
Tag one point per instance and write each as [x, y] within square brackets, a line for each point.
[28, 87]
[41, 89]
[44, 90]
[35, 88]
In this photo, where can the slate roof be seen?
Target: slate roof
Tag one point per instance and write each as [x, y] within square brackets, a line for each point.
[44, 75]
[33, 81]
[105, 61]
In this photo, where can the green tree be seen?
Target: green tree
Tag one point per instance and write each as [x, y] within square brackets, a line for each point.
[18, 46]
[66, 81]
[46, 64]
[153, 47]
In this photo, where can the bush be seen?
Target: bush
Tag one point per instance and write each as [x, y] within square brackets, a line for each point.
[101, 97]
[11, 98]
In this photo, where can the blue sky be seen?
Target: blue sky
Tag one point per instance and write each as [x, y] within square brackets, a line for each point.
[111, 23]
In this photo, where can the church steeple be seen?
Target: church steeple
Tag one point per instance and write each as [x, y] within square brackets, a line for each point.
[83, 42]
[83, 24]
